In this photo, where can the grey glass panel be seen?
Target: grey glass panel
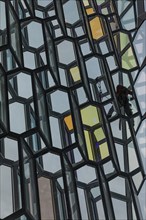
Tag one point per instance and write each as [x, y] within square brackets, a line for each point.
[6, 203]
[72, 145]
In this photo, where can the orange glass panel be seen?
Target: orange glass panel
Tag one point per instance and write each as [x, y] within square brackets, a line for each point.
[89, 11]
[68, 122]
[96, 28]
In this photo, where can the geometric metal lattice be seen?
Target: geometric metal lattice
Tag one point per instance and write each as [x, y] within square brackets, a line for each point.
[61, 156]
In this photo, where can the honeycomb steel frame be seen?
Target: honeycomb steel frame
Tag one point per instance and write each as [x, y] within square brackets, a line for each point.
[61, 156]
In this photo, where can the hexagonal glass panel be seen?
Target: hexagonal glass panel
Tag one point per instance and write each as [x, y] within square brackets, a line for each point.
[22, 90]
[86, 174]
[117, 185]
[51, 162]
[71, 12]
[35, 27]
[90, 115]
[66, 52]
[93, 68]
[17, 117]
[60, 102]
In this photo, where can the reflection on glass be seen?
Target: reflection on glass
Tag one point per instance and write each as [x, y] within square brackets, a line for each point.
[46, 199]
[15, 38]
[29, 184]
[3, 117]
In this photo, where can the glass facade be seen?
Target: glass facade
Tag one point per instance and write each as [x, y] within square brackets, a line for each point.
[61, 155]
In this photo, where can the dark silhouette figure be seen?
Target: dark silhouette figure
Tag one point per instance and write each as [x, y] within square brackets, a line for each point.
[122, 97]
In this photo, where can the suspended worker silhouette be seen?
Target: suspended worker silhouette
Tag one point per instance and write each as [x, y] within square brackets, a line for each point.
[122, 97]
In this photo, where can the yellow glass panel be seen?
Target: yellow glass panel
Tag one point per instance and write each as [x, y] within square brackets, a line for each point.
[99, 134]
[128, 60]
[68, 122]
[104, 150]
[86, 3]
[89, 145]
[124, 40]
[75, 73]
[90, 115]
[96, 28]
[90, 11]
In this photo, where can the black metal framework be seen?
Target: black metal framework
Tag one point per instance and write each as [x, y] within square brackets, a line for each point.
[61, 157]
